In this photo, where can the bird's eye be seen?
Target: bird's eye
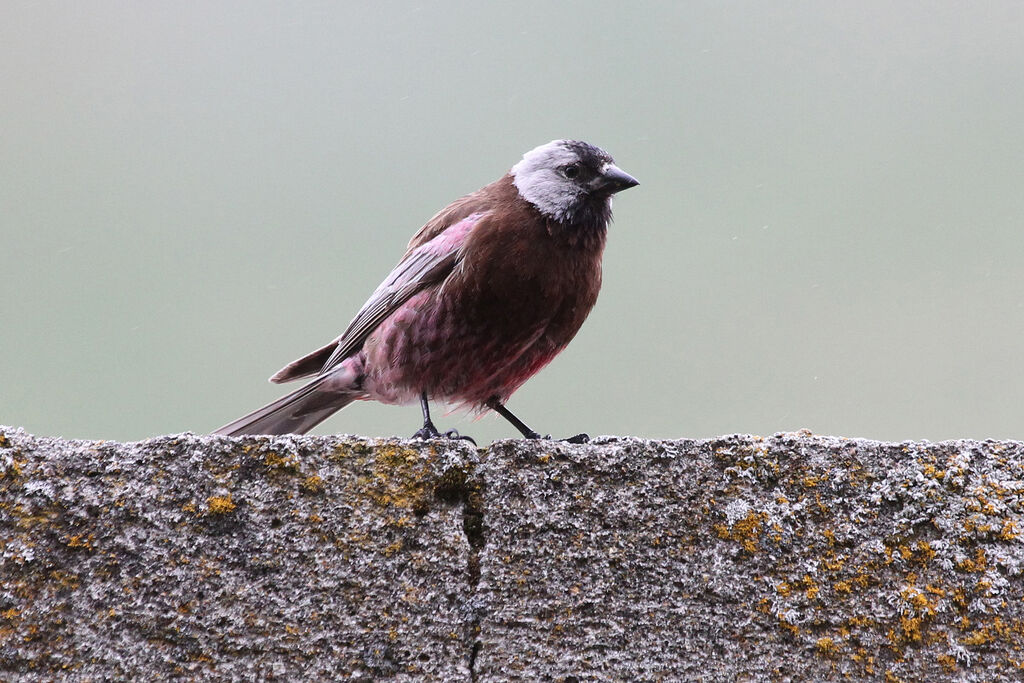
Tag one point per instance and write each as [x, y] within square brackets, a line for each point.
[571, 171]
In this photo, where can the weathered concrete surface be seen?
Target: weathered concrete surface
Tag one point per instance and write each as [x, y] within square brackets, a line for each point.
[251, 559]
[788, 558]
[792, 557]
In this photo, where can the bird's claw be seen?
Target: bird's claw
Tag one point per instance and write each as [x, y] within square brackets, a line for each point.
[578, 439]
[454, 434]
[429, 431]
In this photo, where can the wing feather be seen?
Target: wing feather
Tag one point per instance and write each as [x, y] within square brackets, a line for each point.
[423, 266]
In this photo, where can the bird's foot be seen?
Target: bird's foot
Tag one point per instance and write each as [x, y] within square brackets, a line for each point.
[579, 438]
[454, 434]
[429, 431]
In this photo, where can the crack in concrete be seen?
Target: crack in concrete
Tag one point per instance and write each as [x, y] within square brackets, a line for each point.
[463, 487]
[472, 525]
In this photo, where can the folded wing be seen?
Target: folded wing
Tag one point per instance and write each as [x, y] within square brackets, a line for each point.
[426, 265]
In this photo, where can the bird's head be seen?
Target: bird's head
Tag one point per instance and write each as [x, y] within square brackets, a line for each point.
[565, 179]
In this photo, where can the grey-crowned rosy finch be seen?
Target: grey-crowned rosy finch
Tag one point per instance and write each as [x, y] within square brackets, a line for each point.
[489, 291]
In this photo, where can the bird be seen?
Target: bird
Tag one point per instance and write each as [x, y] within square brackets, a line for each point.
[489, 291]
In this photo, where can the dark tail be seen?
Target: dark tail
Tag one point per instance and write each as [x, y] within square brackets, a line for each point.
[307, 366]
[296, 413]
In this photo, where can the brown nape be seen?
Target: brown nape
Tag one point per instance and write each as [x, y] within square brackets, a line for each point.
[484, 199]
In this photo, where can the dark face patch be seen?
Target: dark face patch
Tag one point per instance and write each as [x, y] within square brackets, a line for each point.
[589, 162]
[591, 157]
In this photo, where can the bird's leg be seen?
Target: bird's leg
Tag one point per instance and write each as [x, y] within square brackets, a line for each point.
[495, 405]
[429, 431]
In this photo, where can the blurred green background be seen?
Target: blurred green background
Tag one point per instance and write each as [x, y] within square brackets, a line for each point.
[828, 233]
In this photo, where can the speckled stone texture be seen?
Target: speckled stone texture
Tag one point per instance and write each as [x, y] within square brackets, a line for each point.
[236, 559]
[792, 557]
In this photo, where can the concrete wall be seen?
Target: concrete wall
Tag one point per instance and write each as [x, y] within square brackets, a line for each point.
[792, 557]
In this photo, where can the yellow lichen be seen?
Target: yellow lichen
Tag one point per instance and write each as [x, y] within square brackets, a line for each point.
[274, 460]
[13, 469]
[833, 562]
[910, 631]
[220, 505]
[400, 478]
[861, 655]
[65, 579]
[919, 601]
[972, 524]
[979, 637]
[860, 621]
[827, 647]
[923, 553]
[793, 629]
[978, 564]
[745, 531]
[314, 483]
[812, 588]
[81, 541]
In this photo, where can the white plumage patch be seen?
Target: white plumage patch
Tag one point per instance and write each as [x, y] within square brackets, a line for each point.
[539, 179]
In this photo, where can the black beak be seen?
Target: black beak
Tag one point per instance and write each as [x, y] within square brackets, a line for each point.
[613, 180]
